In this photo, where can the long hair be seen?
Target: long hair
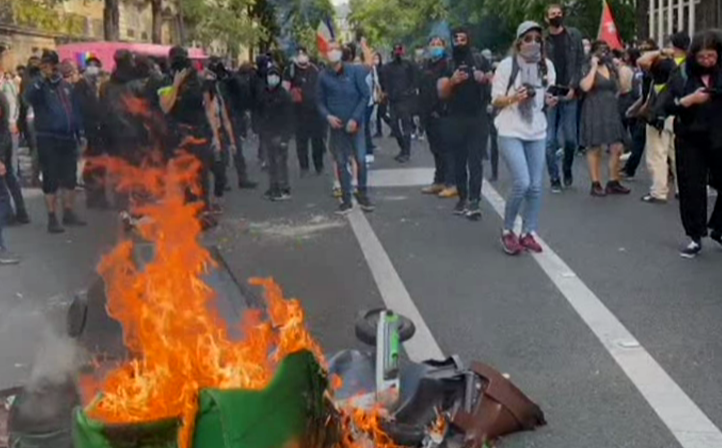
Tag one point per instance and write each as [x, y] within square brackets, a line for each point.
[705, 40]
[541, 65]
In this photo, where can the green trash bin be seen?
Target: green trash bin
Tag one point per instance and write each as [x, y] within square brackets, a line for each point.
[292, 410]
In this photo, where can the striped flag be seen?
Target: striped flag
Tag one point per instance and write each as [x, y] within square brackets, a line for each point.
[325, 36]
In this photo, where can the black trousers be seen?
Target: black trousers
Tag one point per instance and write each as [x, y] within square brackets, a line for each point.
[94, 175]
[697, 165]
[309, 130]
[277, 157]
[436, 130]
[402, 125]
[11, 180]
[468, 137]
[494, 148]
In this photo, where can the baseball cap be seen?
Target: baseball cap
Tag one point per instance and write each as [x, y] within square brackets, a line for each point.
[527, 26]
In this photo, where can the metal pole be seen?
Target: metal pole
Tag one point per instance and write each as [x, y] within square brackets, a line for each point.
[691, 17]
[651, 18]
[670, 16]
[660, 25]
[680, 15]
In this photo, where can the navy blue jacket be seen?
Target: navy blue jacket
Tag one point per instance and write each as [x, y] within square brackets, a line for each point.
[344, 95]
[57, 112]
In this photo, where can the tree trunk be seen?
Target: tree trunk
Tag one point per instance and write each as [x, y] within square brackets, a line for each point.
[156, 7]
[642, 19]
[111, 20]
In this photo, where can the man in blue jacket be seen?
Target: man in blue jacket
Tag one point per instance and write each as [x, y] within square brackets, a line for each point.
[342, 98]
[57, 124]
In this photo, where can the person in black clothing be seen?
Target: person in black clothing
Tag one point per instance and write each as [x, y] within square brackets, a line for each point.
[564, 47]
[262, 64]
[695, 98]
[463, 86]
[433, 111]
[58, 126]
[275, 110]
[300, 79]
[399, 83]
[382, 113]
[87, 90]
[226, 89]
[188, 104]
[26, 120]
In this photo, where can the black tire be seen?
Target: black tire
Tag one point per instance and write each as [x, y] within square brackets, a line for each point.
[367, 321]
[77, 316]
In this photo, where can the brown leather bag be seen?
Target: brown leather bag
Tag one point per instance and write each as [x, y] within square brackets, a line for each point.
[503, 409]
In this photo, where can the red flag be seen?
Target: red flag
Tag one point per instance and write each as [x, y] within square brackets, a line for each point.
[608, 29]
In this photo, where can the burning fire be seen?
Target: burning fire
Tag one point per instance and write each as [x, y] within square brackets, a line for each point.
[179, 344]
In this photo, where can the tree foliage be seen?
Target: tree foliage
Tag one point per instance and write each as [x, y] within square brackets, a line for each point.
[42, 15]
[297, 21]
[492, 23]
[227, 21]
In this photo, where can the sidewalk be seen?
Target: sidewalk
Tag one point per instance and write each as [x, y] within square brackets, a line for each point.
[34, 294]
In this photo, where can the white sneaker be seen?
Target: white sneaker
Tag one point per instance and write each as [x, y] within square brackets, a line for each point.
[370, 159]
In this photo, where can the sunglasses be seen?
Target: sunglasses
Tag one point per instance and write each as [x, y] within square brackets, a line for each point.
[530, 39]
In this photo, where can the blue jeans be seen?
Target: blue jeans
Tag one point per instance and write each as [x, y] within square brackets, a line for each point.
[525, 161]
[5, 208]
[345, 146]
[562, 117]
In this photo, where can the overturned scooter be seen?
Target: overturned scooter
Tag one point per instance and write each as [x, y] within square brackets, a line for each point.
[430, 403]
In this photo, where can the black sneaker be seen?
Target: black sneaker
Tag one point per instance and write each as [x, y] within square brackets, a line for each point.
[402, 158]
[365, 203]
[269, 194]
[473, 213]
[460, 208]
[556, 186]
[282, 196]
[716, 235]
[692, 250]
[344, 209]
[71, 219]
[568, 180]
[22, 217]
[53, 225]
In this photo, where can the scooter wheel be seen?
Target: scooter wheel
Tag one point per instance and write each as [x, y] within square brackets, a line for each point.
[367, 323]
[77, 316]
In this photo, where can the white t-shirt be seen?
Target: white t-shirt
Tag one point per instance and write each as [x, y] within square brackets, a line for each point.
[508, 121]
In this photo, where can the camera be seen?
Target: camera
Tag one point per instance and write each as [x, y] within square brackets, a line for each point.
[530, 90]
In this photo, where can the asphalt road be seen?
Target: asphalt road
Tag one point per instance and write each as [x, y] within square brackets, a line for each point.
[476, 301]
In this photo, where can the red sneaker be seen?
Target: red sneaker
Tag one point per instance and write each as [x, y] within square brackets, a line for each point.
[529, 243]
[510, 243]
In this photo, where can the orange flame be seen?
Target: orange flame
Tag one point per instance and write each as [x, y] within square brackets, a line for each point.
[179, 344]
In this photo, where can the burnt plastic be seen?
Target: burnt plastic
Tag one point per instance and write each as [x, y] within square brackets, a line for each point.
[502, 409]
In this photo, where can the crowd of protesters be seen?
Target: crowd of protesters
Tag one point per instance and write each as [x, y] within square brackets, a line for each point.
[555, 96]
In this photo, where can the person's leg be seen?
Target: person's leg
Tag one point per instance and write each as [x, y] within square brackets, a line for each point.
[303, 135]
[272, 159]
[49, 166]
[342, 147]
[367, 130]
[359, 154]
[433, 129]
[692, 173]
[318, 144]
[380, 116]
[94, 176]
[657, 166]
[13, 186]
[569, 113]
[512, 151]
[5, 210]
[239, 162]
[534, 154]
[639, 139]
[477, 138]
[68, 161]
[283, 183]
[594, 160]
[552, 145]
[672, 156]
[494, 156]
[395, 124]
[32, 139]
[615, 152]
[461, 158]
[407, 128]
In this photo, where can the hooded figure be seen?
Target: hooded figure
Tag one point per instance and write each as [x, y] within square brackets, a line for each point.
[399, 81]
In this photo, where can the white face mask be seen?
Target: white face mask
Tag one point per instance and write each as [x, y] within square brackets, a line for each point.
[302, 59]
[273, 80]
[92, 70]
[335, 56]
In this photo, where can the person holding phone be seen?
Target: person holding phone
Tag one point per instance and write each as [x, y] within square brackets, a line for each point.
[697, 108]
[601, 124]
[519, 94]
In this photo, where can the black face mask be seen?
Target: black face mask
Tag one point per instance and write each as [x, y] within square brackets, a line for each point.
[460, 52]
[179, 64]
[556, 22]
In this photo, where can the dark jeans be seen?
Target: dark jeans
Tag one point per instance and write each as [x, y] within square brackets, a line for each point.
[637, 129]
[5, 209]
[367, 127]
[58, 162]
[93, 174]
[12, 184]
[441, 150]
[561, 117]
[344, 147]
[277, 158]
[239, 162]
[697, 163]
[494, 149]
[310, 130]
[468, 137]
[402, 125]
[382, 115]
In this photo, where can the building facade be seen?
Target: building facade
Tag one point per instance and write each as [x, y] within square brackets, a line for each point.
[670, 16]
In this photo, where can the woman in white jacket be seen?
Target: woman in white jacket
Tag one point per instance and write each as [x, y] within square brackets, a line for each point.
[519, 93]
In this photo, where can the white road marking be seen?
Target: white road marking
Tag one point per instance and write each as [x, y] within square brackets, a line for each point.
[689, 425]
[422, 346]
